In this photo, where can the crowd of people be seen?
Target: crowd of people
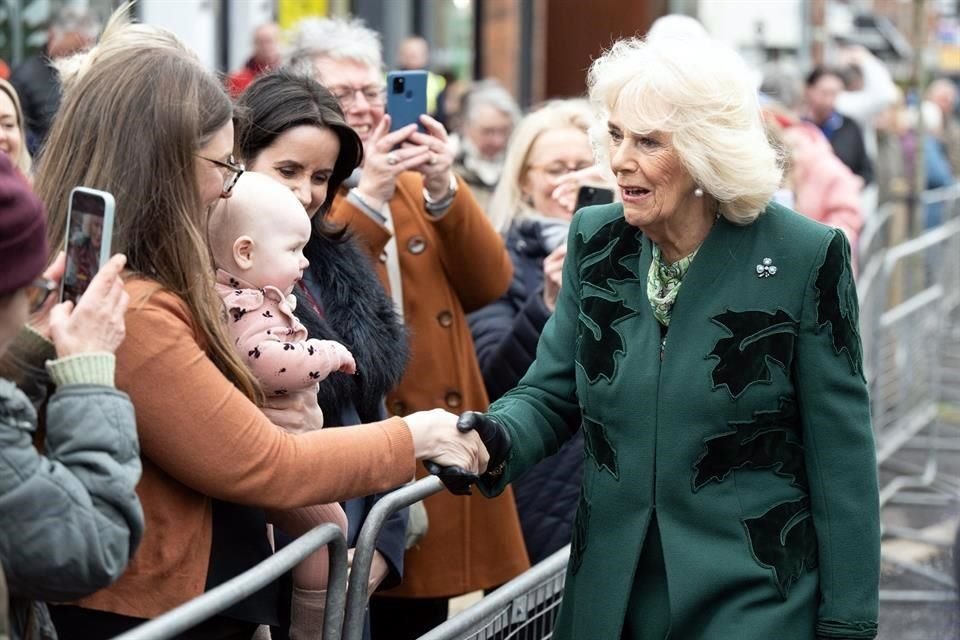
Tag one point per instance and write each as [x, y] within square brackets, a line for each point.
[306, 301]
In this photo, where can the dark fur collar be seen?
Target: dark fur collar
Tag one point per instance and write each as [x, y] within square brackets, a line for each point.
[359, 314]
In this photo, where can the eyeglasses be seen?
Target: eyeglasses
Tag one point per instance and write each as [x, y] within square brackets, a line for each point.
[374, 94]
[233, 170]
[38, 292]
[558, 170]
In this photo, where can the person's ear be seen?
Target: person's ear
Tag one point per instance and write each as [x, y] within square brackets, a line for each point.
[243, 252]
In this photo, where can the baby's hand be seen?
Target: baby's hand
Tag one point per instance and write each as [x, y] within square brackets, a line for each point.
[339, 352]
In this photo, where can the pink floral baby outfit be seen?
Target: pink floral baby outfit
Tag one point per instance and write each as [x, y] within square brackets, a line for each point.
[273, 342]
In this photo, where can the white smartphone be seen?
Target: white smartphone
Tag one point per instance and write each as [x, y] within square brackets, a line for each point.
[89, 233]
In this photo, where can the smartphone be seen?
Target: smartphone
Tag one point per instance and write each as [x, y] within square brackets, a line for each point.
[89, 230]
[406, 98]
[588, 196]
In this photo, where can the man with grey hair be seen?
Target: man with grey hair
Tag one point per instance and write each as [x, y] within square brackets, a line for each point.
[72, 30]
[489, 116]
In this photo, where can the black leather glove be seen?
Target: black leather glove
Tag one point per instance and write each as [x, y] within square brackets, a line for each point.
[497, 442]
[495, 438]
[456, 479]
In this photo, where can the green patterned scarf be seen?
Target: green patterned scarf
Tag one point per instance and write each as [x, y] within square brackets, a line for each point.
[663, 284]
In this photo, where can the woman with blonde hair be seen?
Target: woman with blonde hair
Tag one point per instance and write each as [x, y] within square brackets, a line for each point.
[706, 341]
[153, 127]
[13, 134]
[549, 157]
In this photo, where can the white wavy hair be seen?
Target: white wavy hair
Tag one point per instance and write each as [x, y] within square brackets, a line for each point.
[334, 38]
[506, 204]
[703, 94]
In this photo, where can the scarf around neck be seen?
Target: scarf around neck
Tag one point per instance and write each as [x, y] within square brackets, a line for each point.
[663, 283]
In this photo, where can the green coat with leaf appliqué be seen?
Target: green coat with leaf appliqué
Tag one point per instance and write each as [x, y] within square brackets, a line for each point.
[747, 433]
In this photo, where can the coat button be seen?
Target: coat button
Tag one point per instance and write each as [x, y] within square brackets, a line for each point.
[383, 257]
[416, 245]
[454, 400]
[445, 318]
[398, 407]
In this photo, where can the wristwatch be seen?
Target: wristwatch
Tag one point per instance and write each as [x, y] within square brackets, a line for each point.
[440, 205]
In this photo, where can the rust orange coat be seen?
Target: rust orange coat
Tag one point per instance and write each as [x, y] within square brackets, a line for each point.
[449, 266]
[200, 438]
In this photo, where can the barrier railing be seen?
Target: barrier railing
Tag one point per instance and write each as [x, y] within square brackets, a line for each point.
[523, 609]
[910, 307]
[204, 607]
[392, 502]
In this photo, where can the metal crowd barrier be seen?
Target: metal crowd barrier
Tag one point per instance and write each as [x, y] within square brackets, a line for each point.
[910, 309]
[356, 603]
[525, 608]
[204, 607]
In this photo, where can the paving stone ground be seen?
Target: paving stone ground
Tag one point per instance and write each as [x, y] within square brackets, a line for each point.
[900, 620]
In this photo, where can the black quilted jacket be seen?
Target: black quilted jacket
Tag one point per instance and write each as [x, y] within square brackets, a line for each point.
[505, 335]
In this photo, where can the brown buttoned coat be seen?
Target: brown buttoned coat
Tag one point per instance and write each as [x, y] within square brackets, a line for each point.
[449, 265]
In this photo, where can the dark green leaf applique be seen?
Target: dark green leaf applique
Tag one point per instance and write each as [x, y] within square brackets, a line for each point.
[581, 524]
[769, 441]
[599, 447]
[611, 259]
[610, 254]
[600, 341]
[837, 302]
[756, 339]
[784, 540]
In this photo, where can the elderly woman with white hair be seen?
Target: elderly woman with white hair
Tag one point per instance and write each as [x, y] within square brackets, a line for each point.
[439, 258]
[707, 341]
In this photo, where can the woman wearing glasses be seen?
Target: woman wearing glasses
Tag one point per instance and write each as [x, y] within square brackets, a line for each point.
[85, 480]
[436, 253]
[548, 158]
[211, 459]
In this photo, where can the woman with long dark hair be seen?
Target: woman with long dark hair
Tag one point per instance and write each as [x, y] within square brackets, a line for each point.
[292, 129]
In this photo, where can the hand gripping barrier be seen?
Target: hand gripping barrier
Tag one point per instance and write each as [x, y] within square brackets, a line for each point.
[203, 607]
[523, 609]
[366, 544]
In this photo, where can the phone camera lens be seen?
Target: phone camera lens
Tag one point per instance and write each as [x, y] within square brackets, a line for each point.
[398, 85]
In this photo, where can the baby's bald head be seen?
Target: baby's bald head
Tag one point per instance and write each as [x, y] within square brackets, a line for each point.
[258, 209]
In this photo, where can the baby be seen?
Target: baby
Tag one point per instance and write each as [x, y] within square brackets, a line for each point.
[257, 238]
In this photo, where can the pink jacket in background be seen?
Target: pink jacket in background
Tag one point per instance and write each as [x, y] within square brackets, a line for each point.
[824, 188]
[273, 342]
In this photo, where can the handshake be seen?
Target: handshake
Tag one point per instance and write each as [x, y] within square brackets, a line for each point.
[459, 450]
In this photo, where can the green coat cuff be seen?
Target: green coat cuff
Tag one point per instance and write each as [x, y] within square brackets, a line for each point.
[84, 368]
[843, 629]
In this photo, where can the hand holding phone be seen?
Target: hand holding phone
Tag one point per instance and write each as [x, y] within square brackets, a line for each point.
[95, 324]
[89, 235]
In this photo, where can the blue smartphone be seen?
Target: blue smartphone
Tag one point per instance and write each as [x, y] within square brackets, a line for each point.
[89, 230]
[406, 98]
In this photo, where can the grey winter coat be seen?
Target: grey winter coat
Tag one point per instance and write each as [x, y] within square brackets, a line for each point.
[69, 519]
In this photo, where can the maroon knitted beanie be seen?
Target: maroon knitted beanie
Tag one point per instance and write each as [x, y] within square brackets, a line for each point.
[23, 231]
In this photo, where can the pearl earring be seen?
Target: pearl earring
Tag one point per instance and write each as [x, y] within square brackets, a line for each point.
[698, 192]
